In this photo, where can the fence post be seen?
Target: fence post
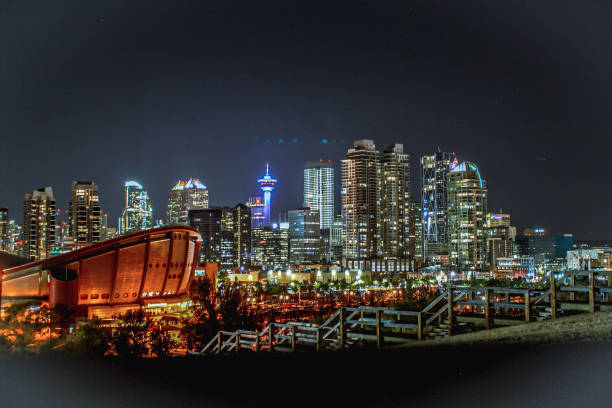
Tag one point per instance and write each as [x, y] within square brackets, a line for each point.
[318, 338]
[271, 337]
[553, 296]
[591, 292]
[450, 310]
[572, 282]
[237, 342]
[219, 343]
[527, 306]
[342, 328]
[420, 326]
[379, 336]
[257, 342]
[361, 319]
[293, 338]
[487, 308]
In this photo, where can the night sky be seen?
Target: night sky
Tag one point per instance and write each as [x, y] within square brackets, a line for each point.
[153, 91]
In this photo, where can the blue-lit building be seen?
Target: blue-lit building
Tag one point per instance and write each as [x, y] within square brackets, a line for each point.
[544, 248]
[267, 185]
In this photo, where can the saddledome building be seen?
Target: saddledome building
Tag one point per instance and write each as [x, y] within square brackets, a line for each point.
[138, 270]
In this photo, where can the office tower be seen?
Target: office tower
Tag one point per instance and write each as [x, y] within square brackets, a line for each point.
[85, 214]
[319, 190]
[185, 196]
[467, 206]
[434, 172]
[241, 215]
[257, 212]
[500, 237]
[544, 248]
[226, 246]
[4, 230]
[360, 201]
[304, 236]
[395, 202]
[208, 223]
[137, 214]
[176, 204]
[416, 232]
[15, 232]
[267, 185]
[336, 238]
[39, 223]
[270, 246]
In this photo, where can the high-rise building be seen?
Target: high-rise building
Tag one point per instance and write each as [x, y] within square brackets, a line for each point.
[241, 215]
[267, 185]
[336, 238]
[226, 247]
[434, 202]
[176, 204]
[416, 231]
[467, 206]
[395, 202]
[271, 246]
[16, 246]
[304, 236]
[85, 213]
[360, 201]
[208, 222]
[256, 205]
[500, 237]
[39, 223]
[4, 230]
[185, 196]
[319, 190]
[137, 213]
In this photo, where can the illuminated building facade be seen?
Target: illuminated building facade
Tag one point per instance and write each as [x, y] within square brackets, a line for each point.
[395, 202]
[304, 236]
[267, 185]
[360, 201]
[4, 230]
[336, 239]
[208, 223]
[134, 271]
[39, 223]
[185, 196]
[241, 215]
[544, 248]
[467, 206]
[500, 237]
[137, 213]
[85, 213]
[319, 190]
[434, 202]
[271, 246]
[257, 212]
[226, 248]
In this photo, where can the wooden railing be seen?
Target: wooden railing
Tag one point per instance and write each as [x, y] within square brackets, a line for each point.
[479, 306]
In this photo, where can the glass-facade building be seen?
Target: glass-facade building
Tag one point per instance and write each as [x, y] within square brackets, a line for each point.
[39, 223]
[85, 217]
[319, 190]
[137, 213]
[304, 236]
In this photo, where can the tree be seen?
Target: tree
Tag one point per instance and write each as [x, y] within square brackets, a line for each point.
[204, 324]
[89, 339]
[160, 342]
[130, 339]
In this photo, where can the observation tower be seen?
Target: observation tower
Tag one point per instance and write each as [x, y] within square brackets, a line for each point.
[267, 184]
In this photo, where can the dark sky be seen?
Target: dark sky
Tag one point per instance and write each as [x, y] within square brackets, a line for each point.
[155, 91]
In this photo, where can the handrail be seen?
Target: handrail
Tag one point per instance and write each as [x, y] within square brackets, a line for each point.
[435, 302]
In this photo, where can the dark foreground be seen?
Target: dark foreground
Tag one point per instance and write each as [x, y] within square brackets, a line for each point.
[576, 375]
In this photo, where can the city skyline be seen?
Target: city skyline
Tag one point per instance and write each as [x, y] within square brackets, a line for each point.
[534, 123]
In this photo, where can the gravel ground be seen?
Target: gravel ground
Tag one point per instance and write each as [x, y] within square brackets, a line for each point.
[578, 328]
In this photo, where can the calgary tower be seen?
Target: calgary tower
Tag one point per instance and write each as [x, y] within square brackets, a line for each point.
[267, 184]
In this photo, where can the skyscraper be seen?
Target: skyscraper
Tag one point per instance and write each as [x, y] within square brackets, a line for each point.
[242, 234]
[257, 212]
[267, 185]
[360, 201]
[304, 236]
[39, 223]
[434, 172]
[85, 213]
[319, 190]
[137, 214]
[208, 223]
[467, 206]
[185, 196]
[395, 202]
[270, 246]
[227, 240]
[4, 230]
